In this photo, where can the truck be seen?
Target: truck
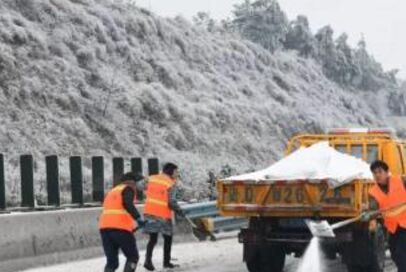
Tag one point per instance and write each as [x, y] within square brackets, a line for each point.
[277, 210]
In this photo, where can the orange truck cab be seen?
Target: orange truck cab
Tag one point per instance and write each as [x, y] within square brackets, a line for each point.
[277, 209]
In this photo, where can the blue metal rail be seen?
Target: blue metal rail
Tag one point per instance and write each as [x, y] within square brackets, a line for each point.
[200, 210]
[206, 215]
[218, 224]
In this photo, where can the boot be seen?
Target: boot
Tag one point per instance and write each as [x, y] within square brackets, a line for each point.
[167, 252]
[170, 265]
[148, 265]
[153, 239]
[130, 267]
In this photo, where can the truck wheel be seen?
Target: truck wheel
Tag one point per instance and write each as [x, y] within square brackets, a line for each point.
[377, 249]
[266, 259]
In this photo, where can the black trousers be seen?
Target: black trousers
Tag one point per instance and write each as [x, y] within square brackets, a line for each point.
[113, 240]
[397, 247]
[153, 239]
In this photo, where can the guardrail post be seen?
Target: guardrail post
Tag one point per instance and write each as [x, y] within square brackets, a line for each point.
[153, 166]
[52, 170]
[136, 167]
[27, 181]
[118, 169]
[98, 178]
[2, 184]
[76, 179]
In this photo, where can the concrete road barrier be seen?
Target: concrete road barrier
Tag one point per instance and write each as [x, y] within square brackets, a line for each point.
[48, 237]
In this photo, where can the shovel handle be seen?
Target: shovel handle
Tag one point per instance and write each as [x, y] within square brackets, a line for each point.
[396, 210]
[341, 224]
[190, 222]
[391, 211]
[345, 222]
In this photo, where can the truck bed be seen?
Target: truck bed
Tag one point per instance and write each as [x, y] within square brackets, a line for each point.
[301, 198]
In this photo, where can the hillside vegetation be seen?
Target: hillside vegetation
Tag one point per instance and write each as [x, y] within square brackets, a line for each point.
[87, 77]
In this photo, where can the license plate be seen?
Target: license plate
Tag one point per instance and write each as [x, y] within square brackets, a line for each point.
[342, 195]
[289, 194]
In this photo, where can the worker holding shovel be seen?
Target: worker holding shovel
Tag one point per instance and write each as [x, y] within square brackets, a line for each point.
[389, 192]
[160, 203]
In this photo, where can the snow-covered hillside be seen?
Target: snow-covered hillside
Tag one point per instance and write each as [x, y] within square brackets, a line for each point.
[99, 77]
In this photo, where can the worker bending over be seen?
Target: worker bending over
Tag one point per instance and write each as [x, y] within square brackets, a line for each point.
[117, 223]
[389, 192]
[159, 206]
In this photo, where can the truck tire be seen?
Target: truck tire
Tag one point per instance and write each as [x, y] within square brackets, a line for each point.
[377, 249]
[265, 259]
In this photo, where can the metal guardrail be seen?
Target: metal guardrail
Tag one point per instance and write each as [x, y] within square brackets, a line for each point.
[206, 216]
[218, 224]
[200, 210]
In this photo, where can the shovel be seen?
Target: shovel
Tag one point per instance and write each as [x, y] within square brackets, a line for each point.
[323, 229]
[198, 232]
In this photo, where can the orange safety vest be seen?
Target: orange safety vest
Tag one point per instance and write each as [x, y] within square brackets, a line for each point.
[157, 196]
[395, 197]
[114, 215]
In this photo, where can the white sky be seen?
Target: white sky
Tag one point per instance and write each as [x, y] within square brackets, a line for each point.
[382, 22]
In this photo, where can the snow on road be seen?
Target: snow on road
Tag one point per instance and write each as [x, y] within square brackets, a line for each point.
[222, 256]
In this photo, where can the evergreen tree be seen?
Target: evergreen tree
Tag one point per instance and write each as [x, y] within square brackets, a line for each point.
[327, 53]
[203, 19]
[372, 76]
[300, 37]
[262, 22]
[347, 69]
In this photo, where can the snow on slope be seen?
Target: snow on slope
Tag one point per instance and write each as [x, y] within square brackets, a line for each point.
[89, 77]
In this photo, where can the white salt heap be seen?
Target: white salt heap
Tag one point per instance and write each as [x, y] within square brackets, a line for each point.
[317, 162]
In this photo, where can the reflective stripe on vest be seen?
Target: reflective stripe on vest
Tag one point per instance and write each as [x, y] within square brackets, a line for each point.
[114, 215]
[113, 211]
[157, 196]
[395, 197]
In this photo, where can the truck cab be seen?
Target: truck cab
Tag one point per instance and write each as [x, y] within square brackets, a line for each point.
[277, 210]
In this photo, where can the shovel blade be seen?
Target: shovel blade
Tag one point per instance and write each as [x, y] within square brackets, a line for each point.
[320, 228]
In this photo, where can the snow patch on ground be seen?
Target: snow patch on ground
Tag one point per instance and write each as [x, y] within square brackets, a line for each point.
[219, 256]
[222, 256]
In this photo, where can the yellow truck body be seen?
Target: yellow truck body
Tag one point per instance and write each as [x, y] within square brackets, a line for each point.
[304, 198]
[292, 199]
[277, 209]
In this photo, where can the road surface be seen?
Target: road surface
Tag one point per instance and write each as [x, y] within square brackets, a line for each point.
[221, 256]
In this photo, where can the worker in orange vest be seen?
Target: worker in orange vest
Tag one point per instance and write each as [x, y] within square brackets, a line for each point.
[160, 204]
[117, 222]
[389, 192]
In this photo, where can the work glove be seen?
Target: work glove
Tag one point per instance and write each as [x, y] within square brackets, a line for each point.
[367, 216]
[180, 213]
[141, 223]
